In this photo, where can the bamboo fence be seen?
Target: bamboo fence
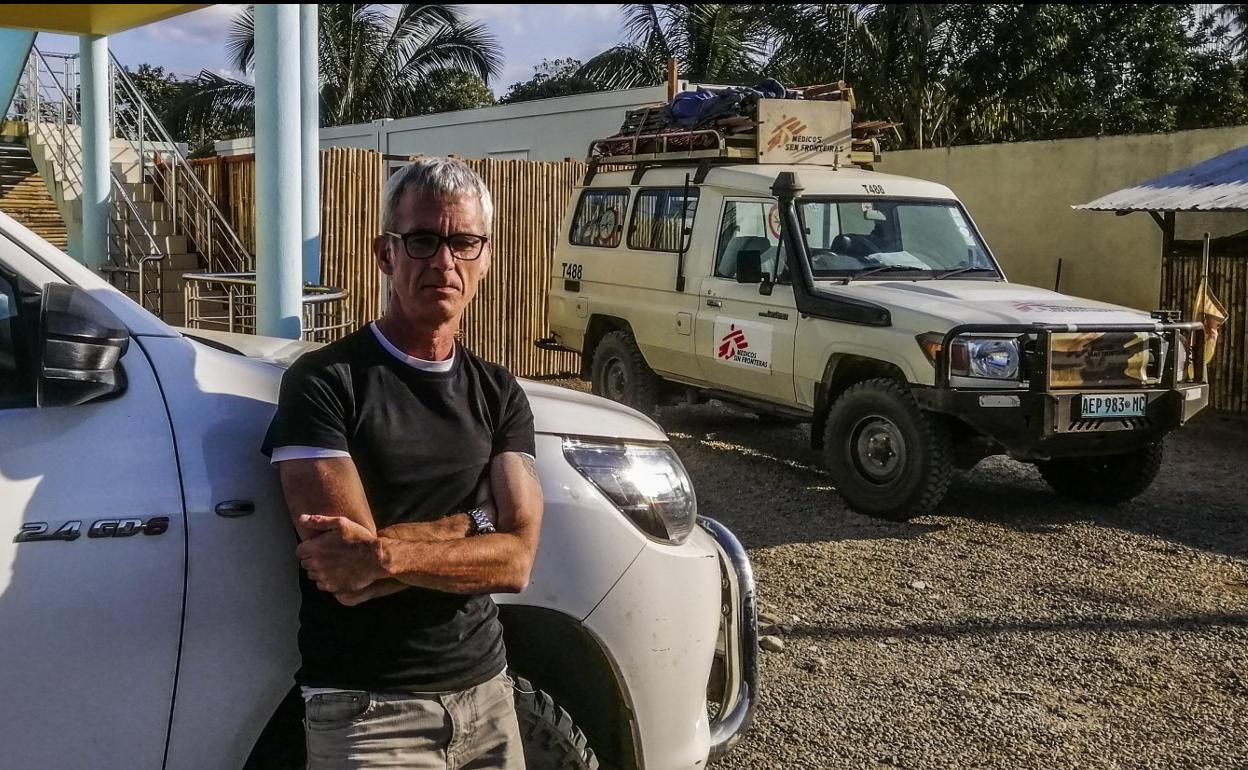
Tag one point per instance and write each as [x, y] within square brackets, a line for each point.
[509, 312]
[1228, 281]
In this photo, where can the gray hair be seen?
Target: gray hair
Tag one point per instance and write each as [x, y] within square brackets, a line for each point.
[441, 177]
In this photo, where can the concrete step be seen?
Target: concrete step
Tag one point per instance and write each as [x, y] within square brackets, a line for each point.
[161, 227]
[130, 173]
[151, 211]
[182, 260]
[142, 191]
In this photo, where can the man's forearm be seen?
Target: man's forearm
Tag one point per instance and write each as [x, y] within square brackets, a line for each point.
[495, 563]
[457, 526]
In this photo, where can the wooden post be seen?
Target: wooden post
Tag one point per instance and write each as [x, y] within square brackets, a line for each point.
[673, 79]
[1167, 243]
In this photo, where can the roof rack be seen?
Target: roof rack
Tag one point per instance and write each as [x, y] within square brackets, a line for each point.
[781, 131]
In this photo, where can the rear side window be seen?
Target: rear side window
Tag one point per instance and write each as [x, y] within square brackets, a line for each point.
[657, 216]
[599, 219]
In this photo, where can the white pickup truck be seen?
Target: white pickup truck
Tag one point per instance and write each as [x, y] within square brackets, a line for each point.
[148, 595]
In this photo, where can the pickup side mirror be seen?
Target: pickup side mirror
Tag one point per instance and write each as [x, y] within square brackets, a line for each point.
[749, 266]
[765, 286]
[81, 344]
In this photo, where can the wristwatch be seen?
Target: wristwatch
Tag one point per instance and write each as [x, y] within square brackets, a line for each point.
[481, 524]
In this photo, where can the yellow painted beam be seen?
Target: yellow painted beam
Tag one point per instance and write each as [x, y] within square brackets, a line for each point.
[88, 18]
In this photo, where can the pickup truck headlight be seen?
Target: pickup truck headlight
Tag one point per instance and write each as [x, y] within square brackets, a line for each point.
[987, 357]
[647, 482]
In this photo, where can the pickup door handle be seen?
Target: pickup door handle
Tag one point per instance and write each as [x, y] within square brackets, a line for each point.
[232, 509]
[774, 314]
[714, 303]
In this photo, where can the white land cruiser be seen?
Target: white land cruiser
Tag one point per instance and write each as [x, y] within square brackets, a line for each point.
[864, 303]
[148, 595]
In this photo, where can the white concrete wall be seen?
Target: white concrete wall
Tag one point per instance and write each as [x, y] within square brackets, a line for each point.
[544, 129]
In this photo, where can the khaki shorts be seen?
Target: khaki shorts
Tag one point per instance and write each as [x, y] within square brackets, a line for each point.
[473, 729]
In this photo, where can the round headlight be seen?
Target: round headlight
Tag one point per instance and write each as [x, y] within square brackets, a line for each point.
[986, 357]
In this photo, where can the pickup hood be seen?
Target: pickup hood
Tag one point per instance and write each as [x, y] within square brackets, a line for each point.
[556, 410]
[945, 304]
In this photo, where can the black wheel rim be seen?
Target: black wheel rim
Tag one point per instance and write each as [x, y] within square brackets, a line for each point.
[878, 449]
[615, 380]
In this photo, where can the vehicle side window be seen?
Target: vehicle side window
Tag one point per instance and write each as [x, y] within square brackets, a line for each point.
[750, 226]
[16, 363]
[657, 216]
[599, 219]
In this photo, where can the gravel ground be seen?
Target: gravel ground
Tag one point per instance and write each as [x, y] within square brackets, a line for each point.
[1014, 629]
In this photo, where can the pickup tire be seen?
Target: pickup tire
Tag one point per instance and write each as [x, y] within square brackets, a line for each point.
[552, 741]
[621, 373]
[887, 457]
[1107, 480]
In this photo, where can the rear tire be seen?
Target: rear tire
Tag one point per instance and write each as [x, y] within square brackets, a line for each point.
[621, 373]
[888, 458]
[552, 741]
[1107, 480]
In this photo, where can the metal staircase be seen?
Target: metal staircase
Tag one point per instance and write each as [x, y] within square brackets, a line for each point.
[163, 224]
[169, 246]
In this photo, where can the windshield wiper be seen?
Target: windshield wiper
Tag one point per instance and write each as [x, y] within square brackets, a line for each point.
[960, 270]
[882, 269]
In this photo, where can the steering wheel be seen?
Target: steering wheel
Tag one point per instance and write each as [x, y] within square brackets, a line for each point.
[831, 259]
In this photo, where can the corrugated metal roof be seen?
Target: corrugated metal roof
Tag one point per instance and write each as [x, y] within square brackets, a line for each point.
[1217, 184]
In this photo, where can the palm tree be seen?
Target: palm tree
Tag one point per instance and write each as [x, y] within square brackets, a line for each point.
[1235, 18]
[718, 43]
[373, 64]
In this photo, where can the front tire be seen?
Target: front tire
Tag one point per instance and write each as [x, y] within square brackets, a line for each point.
[1108, 480]
[552, 741]
[621, 373]
[887, 457]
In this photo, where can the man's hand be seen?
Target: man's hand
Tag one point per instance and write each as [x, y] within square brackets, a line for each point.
[383, 587]
[342, 558]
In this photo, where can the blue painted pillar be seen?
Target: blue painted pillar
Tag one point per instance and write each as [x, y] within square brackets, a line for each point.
[279, 229]
[14, 49]
[93, 56]
[310, 121]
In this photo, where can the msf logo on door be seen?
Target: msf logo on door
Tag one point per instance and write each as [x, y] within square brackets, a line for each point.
[732, 342]
[743, 343]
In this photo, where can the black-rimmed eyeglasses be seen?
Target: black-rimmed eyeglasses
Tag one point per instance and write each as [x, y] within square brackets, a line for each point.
[423, 244]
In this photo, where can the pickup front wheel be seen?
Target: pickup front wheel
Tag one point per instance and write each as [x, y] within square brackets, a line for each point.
[887, 457]
[621, 373]
[552, 741]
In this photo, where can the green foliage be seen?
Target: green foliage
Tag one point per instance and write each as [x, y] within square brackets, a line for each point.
[961, 73]
[713, 43]
[375, 63]
[551, 78]
[450, 90]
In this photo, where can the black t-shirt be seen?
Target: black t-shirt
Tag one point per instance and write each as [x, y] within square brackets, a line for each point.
[422, 442]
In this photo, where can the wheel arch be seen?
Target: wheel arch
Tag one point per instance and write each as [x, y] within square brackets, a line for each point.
[842, 371]
[541, 644]
[600, 325]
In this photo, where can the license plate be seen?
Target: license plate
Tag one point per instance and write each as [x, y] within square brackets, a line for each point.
[1100, 406]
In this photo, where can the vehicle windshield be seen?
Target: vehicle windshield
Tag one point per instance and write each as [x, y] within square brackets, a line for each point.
[891, 239]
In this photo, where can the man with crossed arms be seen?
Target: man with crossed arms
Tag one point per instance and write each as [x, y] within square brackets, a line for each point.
[391, 443]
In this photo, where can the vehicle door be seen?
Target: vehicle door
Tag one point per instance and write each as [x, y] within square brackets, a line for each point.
[744, 337]
[92, 554]
[661, 316]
